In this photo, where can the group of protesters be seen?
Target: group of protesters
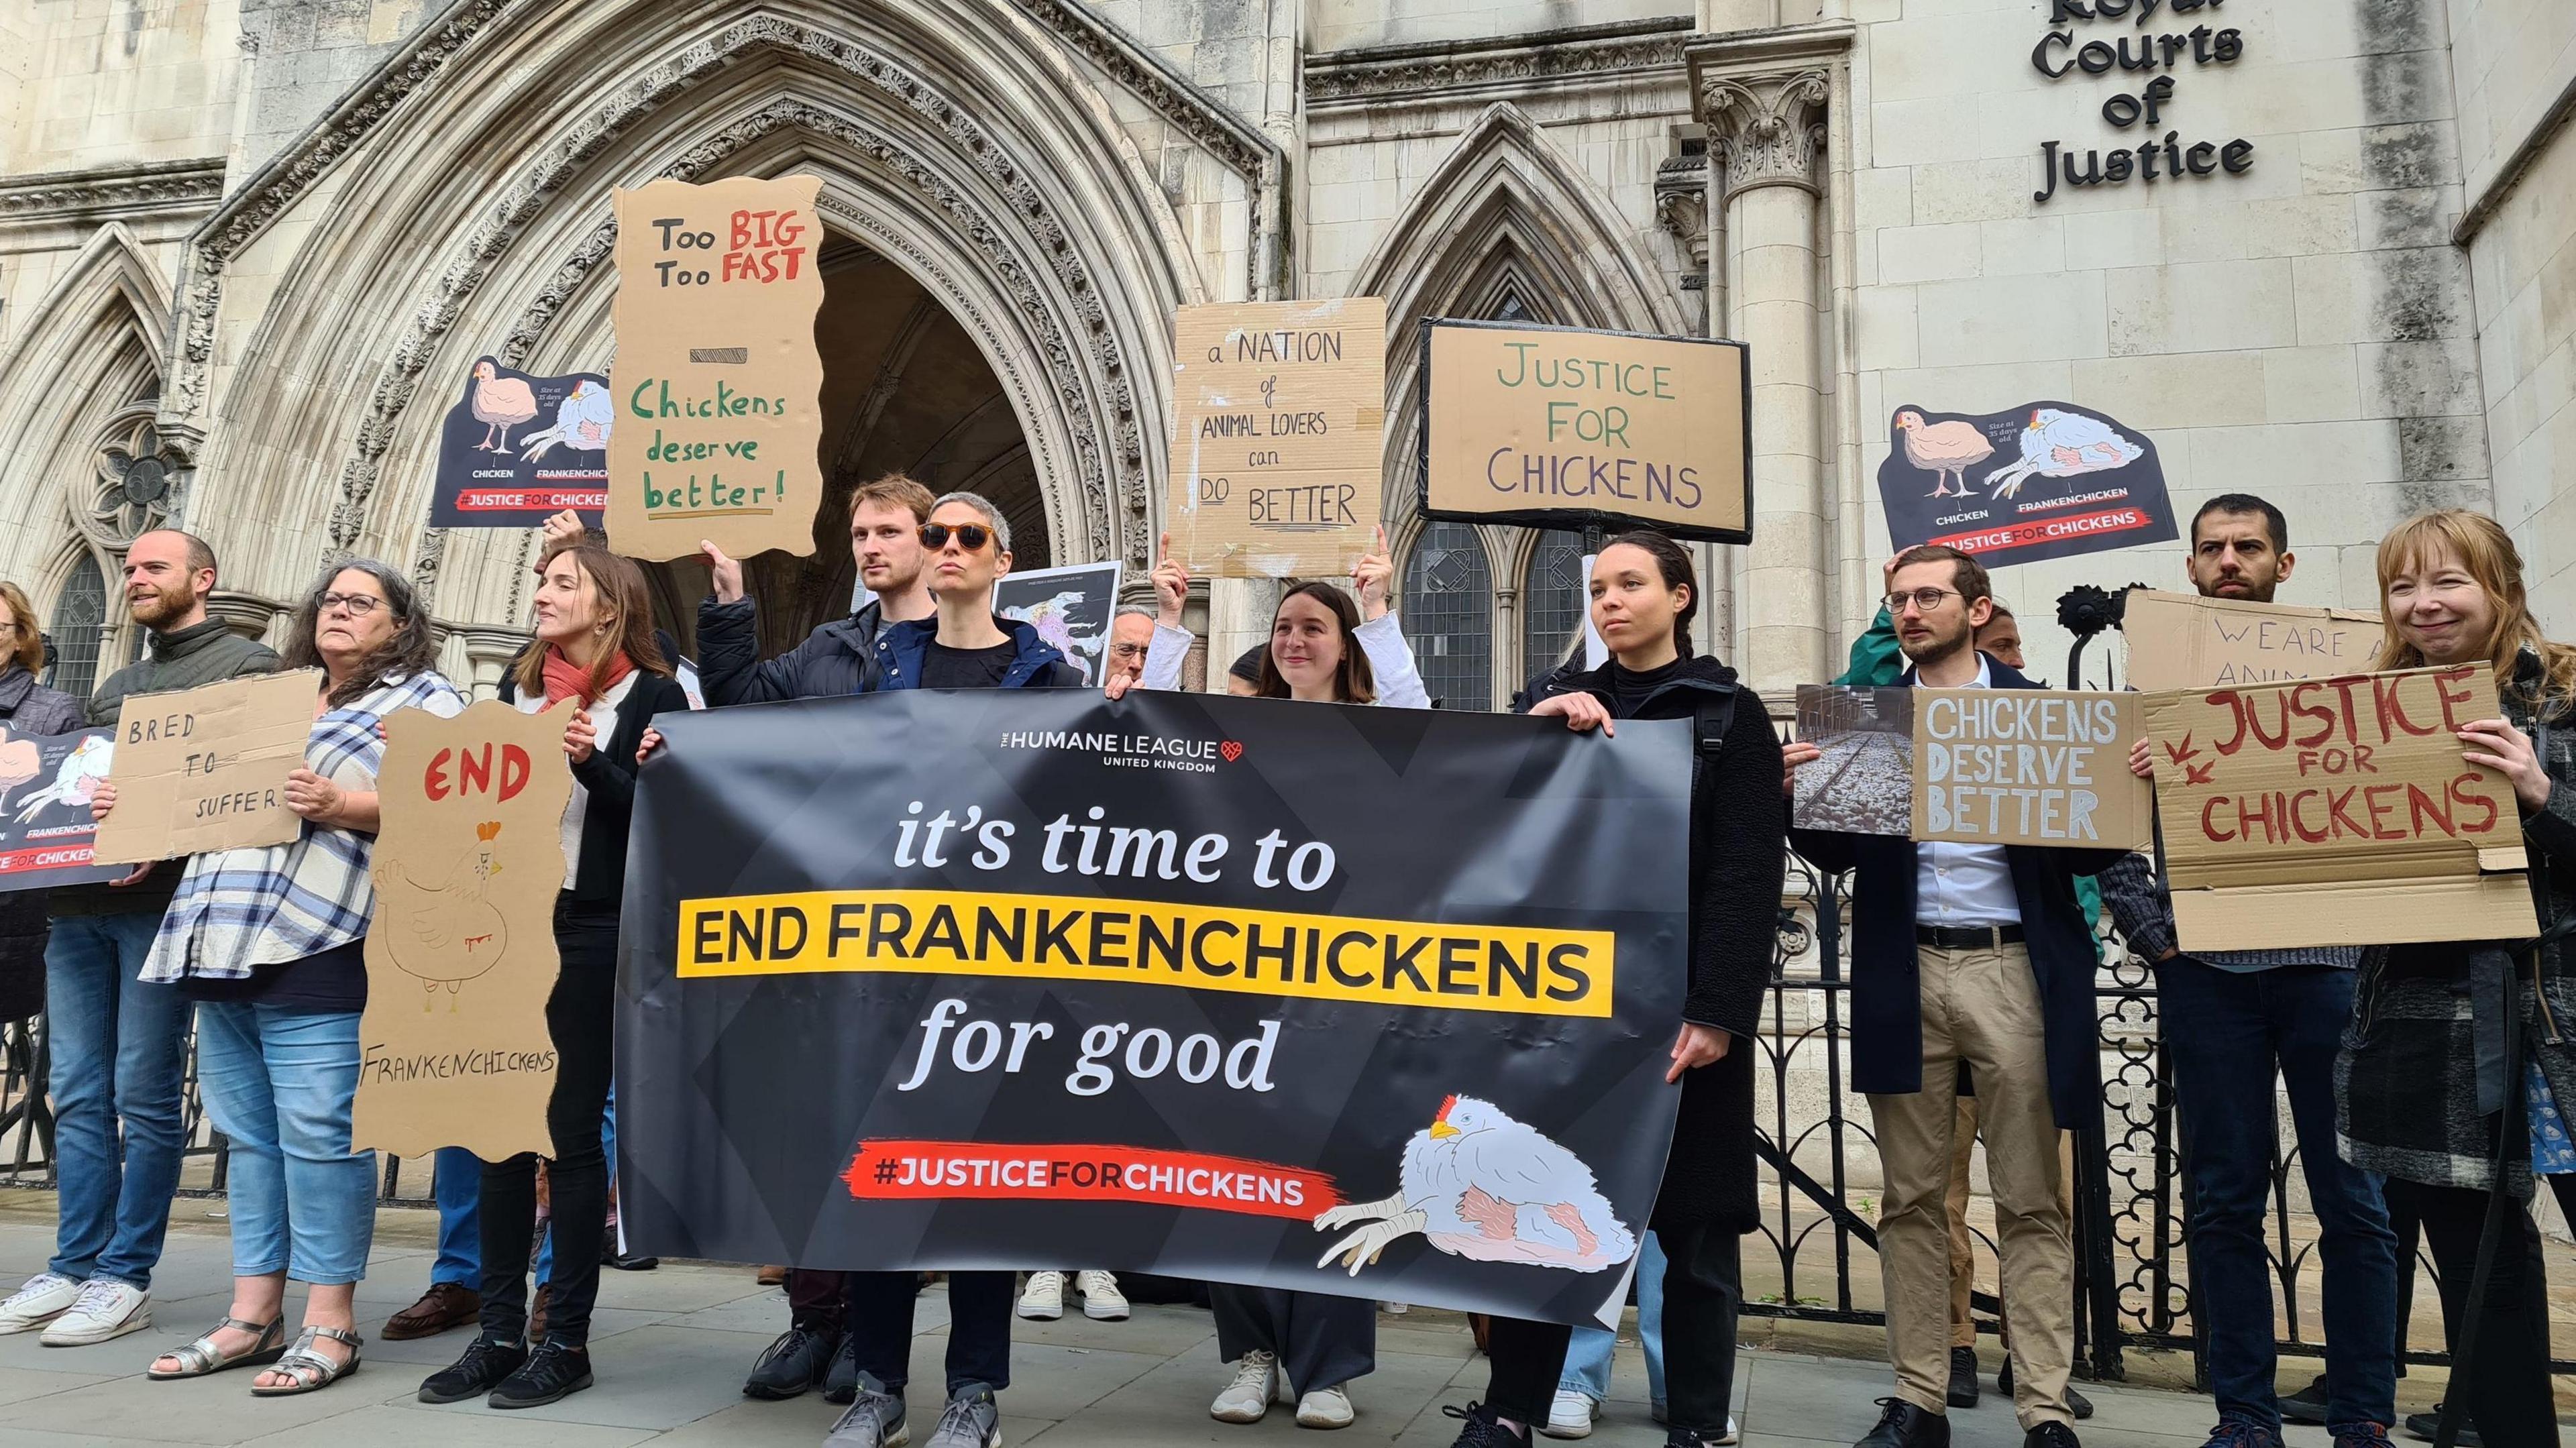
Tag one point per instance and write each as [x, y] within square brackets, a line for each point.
[1972, 1005]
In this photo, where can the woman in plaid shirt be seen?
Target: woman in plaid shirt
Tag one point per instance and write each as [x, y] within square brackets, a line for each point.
[270, 942]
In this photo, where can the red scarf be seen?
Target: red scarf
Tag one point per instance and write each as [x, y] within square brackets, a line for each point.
[568, 680]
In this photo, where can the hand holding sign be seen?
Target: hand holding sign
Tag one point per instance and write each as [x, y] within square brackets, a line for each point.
[315, 798]
[2499, 746]
[723, 573]
[581, 736]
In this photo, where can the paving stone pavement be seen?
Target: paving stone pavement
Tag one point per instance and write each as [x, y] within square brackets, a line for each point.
[670, 1348]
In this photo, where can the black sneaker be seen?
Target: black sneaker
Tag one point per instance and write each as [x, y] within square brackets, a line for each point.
[2237, 1433]
[1963, 1377]
[2425, 1425]
[792, 1366]
[485, 1364]
[554, 1372]
[2051, 1435]
[1903, 1425]
[2307, 1405]
[1484, 1427]
[841, 1380]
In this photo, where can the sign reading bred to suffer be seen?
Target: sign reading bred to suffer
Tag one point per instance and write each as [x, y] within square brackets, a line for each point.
[46, 784]
[1364, 1001]
[2184, 641]
[717, 380]
[2042, 480]
[2336, 812]
[453, 1048]
[1555, 427]
[2029, 767]
[1278, 435]
[205, 768]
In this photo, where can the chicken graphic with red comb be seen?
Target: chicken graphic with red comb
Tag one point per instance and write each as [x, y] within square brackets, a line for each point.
[1477, 1184]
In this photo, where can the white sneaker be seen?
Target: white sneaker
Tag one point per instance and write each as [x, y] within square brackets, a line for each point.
[1248, 1396]
[1101, 1299]
[1570, 1415]
[106, 1308]
[1043, 1299]
[1732, 1433]
[1324, 1408]
[45, 1297]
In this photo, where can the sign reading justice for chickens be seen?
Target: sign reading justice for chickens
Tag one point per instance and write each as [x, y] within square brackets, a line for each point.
[453, 1048]
[717, 380]
[2043, 480]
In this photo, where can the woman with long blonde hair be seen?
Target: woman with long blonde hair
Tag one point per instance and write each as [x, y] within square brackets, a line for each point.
[2429, 1097]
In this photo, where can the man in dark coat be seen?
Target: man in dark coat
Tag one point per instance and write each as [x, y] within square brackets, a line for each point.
[1974, 953]
[885, 525]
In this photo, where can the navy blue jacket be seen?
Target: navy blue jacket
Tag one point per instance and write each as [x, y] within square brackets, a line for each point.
[1035, 664]
[1887, 1018]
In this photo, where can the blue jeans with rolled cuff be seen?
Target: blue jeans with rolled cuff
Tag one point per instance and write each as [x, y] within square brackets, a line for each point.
[280, 1082]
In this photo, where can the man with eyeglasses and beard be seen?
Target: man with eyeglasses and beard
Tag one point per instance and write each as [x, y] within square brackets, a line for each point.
[1974, 953]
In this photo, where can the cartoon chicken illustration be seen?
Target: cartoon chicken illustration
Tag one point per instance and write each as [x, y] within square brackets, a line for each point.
[447, 933]
[582, 421]
[500, 404]
[1946, 448]
[2060, 444]
[75, 779]
[1480, 1185]
[1053, 619]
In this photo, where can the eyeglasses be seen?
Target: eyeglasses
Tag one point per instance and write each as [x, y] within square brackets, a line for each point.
[1127, 651]
[358, 605]
[1924, 599]
[970, 536]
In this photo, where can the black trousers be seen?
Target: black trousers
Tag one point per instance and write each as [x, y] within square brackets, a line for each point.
[1320, 1341]
[2508, 1395]
[580, 1016]
[979, 1327]
[1703, 1296]
[1527, 1359]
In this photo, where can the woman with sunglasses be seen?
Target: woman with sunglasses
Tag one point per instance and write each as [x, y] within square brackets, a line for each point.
[1322, 649]
[965, 645]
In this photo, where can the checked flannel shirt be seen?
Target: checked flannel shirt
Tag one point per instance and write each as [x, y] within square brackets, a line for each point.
[277, 903]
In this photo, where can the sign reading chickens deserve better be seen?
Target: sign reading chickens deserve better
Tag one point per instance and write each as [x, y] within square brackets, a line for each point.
[518, 448]
[717, 381]
[453, 1048]
[2042, 480]
[1289, 995]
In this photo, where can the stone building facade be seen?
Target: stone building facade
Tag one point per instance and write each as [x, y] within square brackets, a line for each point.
[247, 246]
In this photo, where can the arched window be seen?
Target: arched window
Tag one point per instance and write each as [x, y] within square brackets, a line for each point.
[1552, 602]
[78, 620]
[1449, 615]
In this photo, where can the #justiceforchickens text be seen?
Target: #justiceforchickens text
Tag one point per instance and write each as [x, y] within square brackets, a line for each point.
[889, 1170]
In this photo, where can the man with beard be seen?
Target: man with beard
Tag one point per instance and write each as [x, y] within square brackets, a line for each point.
[119, 1046]
[2232, 1019]
[1975, 954]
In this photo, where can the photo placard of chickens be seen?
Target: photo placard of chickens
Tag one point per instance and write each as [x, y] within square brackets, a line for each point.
[46, 781]
[517, 448]
[1370, 1002]
[1070, 607]
[717, 381]
[205, 768]
[2042, 480]
[1558, 427]
[453, 1048]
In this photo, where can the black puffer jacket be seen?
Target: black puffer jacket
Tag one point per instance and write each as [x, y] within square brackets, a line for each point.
[1738, 847]
[838, 658]
[28, 708]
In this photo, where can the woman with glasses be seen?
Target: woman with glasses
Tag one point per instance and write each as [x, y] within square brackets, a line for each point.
[27, 709]
[271, 942]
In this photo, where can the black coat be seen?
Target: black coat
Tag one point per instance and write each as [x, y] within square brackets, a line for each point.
[1887, 1006]
[838, 658]
[28, 708]
[1736, 859]
[609, 775]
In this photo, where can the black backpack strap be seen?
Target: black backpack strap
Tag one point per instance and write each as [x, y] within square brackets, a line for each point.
[1716, 716]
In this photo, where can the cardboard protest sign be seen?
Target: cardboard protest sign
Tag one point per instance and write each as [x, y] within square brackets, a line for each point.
[453, 1048]
[2042, 480]
[1278, 436]
[205, 768]
[517, 449]
[1070, 607]
[2336, 812]
[2183, 641]
[2029, 767]
[1557, 427]
[1864, 784]
[717, 378]
[46, 781]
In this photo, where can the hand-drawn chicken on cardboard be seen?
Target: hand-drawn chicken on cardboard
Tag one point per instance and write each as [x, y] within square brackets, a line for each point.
[453, 1046]
[1479, 1185]
[2044, 480]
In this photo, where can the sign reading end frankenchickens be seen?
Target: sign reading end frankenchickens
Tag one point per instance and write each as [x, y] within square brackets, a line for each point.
[1374, 1002]
[717, 379]
[453, 1048]
[1559, 428]
[2044, 480]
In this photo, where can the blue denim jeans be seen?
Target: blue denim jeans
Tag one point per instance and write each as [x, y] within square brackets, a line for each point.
[2228, 1032]
[1587, 1358]
[457, 1182]
[119, 1049]
[279, 1082]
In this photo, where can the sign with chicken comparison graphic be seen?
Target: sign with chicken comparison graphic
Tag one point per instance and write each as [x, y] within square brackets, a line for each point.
[46, 781]
[1374, 1002]
[517, 449]
[2042, 480]
[453, 1048]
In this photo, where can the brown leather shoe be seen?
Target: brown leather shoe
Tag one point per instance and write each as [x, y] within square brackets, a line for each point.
[445, 1305]
[770, 1276]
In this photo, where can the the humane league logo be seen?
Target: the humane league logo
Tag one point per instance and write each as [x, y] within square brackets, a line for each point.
[1132, 751]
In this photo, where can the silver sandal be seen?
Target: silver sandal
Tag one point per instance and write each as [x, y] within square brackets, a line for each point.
[202, 1356]
[301, 1359]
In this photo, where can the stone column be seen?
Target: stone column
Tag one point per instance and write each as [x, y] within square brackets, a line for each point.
[1767, 132]
[246, 614]
[1238, 617]
[488, 652]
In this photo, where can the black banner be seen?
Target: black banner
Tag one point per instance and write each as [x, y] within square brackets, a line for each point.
[1212, 987]
[46, 781]
[2045, 480]
[517, 449]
